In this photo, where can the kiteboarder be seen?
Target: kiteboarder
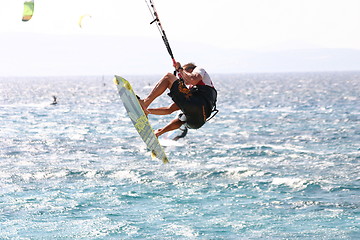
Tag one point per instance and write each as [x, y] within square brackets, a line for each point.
[193, 93]
[54, 101]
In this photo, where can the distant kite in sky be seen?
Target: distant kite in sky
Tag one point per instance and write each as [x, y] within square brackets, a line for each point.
[28, 10]
[82, 19]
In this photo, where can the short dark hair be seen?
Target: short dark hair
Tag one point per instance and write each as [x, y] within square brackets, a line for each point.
[189, 66]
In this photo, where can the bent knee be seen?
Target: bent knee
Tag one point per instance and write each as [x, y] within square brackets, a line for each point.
[169, 74]
[173, 108]
[170, 77]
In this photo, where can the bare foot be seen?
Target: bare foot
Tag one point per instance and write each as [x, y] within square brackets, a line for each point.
[142, 104]
[157, 132]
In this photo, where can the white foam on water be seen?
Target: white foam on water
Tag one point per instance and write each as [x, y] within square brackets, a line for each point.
[170, 143]
[181, 230]
[125, 175]
[24, 163]
[294, 183]
[239, 173]
[5, 174]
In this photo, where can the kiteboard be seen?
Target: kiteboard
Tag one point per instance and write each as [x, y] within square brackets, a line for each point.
[139, 119]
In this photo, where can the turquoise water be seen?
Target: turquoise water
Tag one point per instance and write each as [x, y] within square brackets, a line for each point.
[279, 161]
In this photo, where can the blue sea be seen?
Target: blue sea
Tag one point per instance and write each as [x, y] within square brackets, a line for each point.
[279, 161]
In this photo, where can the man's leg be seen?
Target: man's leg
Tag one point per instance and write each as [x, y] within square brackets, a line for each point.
[164, 110]
[164, 83]
[174, 124]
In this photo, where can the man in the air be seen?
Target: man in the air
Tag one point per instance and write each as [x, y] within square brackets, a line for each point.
[197, 101]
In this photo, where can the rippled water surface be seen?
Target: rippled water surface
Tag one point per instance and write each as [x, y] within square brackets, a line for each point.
[279, 161]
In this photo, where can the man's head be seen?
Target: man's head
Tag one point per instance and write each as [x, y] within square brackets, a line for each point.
[189, 67]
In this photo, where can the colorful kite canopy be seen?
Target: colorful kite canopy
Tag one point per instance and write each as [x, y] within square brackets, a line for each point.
[28, 10]
[82, 19]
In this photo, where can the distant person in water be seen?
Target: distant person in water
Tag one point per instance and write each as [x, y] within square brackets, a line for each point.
[194, 94]
[54, 101]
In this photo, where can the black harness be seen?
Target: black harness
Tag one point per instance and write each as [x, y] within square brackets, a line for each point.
[210, 96]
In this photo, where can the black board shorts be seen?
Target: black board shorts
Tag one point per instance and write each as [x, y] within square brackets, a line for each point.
[196, 103]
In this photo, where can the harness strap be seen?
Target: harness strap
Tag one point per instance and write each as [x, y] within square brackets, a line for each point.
[214, 109]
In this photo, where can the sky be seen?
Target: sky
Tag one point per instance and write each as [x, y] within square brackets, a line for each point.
[119, 31]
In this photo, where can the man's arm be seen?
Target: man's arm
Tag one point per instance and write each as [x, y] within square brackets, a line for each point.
[190, 78]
